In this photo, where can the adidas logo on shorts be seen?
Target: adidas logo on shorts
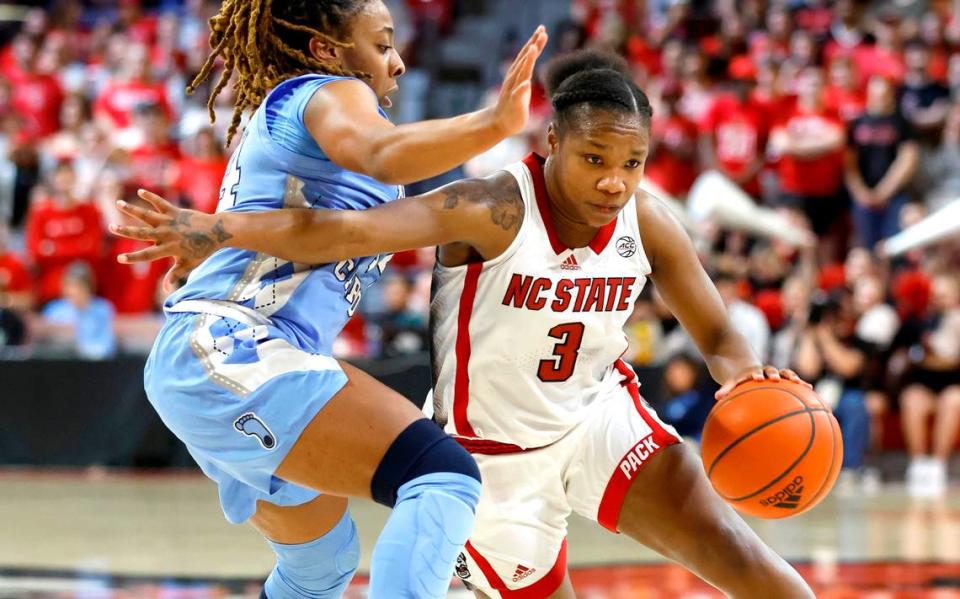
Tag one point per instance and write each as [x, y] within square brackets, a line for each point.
[522, 572]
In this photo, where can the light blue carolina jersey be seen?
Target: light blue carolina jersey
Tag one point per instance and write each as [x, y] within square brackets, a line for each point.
[278, 165]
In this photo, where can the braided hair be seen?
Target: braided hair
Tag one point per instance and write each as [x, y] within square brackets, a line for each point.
[268, 41]
[587, 79]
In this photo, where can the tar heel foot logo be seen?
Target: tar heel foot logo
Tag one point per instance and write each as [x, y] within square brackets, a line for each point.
[788, 497]
[626, 246]
[250, 425]
[461, 570]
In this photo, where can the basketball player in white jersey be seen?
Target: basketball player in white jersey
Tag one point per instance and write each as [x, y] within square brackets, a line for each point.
[539, 266]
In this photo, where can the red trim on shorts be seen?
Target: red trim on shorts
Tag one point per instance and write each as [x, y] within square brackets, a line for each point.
[608, 513]
[604, 234]
[490, 447]
[544, 587]
[461, 389]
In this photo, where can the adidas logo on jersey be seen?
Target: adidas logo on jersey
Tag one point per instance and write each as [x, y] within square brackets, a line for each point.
[522, 572]
[570, 263]
[640, 453]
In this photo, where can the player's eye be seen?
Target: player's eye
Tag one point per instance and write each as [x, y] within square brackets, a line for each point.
[593, 159]
[384, 48]
[633, 164]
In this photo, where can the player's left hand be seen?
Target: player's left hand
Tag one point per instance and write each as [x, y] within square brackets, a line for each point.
[178, 233]
[759, 373]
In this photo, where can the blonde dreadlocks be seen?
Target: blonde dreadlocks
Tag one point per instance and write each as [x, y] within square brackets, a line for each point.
[266, 42]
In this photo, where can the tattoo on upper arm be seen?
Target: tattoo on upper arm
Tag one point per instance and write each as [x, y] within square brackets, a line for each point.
[500, 193]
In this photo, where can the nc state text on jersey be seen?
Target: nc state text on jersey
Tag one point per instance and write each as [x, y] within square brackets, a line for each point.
[589, 294]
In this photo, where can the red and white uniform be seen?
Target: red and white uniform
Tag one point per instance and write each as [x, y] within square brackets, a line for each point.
[528, 379]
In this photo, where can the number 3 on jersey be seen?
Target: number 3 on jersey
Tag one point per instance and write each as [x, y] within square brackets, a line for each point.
[560, 367]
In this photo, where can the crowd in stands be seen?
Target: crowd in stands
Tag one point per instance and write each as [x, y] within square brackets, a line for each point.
[842, 115]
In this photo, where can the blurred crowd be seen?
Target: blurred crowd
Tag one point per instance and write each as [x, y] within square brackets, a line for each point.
[843, 116]
[93, 107]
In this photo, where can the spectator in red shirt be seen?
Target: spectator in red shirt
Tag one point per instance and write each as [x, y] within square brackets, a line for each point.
[138, 26]
[153, 163]
[16, 288]
[673, 147]
[809, 142]
[36, 96]
[119, 98]
[844, 96]
[733, 135]
[885, 57]
[931, 32]
[846, 38]
[200, 172]
[767, 94]
[16, 58]
[816, 17]
[61, 229]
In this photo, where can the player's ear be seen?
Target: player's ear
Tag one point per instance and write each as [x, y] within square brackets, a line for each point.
[325, 51]
[553, 140]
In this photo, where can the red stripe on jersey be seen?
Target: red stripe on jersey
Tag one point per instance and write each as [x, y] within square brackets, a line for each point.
[608, 513]
[544, 587]
[535, 165]
[461, 389]
[623, 368]
[604, 234]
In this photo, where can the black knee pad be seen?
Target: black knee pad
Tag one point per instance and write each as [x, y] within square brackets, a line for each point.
[422, 448]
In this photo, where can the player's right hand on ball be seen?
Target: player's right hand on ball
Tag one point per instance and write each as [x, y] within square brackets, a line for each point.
[187, 236]
[513, 106]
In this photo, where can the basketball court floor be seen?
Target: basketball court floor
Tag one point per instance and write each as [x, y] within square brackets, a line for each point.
[104, 534]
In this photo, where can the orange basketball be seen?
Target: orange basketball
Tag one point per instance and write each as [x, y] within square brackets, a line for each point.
[772, 449]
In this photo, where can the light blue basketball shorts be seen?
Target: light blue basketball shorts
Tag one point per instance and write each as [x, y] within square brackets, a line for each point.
[238, 392]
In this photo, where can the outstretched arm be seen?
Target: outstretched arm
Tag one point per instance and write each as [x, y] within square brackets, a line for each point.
[483, 213]
[692, 297]
[342, 117]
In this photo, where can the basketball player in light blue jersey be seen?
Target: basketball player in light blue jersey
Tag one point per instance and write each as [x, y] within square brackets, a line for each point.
[242, 370]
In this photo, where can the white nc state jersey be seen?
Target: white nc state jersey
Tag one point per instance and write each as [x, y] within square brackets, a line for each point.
[526, 342]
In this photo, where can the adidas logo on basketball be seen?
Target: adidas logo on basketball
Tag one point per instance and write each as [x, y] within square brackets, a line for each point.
[788, 497]
[570, 263]
[522, 572]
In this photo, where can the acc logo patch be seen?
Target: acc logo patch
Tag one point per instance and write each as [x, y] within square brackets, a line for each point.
[626, 246]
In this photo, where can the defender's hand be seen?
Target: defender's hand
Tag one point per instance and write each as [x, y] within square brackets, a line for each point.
[759, 373]
[513, 106]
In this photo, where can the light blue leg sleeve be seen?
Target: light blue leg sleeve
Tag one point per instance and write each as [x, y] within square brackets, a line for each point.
[417, 550]
[320, 569]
